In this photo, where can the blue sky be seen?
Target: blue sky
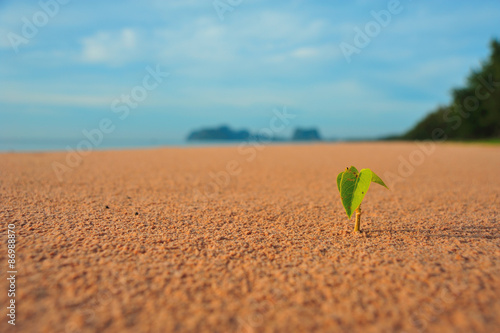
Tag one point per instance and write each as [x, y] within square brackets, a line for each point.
[263, 55]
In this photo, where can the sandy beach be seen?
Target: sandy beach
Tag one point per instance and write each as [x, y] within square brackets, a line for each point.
[253, 239]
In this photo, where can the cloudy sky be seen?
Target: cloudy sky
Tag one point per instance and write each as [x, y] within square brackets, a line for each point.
[66, 65]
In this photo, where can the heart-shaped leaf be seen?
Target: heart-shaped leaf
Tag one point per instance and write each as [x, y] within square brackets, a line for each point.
[353, 186]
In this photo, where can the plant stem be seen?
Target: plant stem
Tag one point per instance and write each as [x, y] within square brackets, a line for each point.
[358, 219]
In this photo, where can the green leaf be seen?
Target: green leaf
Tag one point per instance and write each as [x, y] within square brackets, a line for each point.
[353, 188]
[339, 179]
[378, 180]
[362, 186]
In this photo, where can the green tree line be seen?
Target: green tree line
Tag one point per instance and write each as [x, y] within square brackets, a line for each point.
[474, 112]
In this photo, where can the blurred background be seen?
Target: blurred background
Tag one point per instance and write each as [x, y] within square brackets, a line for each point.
[351, 70]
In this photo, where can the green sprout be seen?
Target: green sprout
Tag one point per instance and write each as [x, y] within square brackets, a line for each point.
[353, 186]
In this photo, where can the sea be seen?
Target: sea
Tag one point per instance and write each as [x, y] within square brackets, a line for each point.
[57, 145]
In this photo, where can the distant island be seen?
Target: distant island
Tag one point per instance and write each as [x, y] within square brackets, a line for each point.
[301, 134]
[225, 133]
[220, 133]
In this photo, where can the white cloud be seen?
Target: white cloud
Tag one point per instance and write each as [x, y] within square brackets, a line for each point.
[20, 98]
[326, 52]
[114, 48]
[204, 39]
[305, 52]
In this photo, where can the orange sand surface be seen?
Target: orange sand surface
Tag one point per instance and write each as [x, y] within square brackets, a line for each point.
[253, 240]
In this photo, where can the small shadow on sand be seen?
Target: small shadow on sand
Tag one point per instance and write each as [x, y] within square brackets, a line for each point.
[464, 232]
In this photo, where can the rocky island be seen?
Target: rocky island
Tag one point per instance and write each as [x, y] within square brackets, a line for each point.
[225, 133]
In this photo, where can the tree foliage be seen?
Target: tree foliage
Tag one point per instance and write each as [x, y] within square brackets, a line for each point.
[475, 109]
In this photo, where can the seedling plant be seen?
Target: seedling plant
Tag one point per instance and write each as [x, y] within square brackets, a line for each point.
[353, 186]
